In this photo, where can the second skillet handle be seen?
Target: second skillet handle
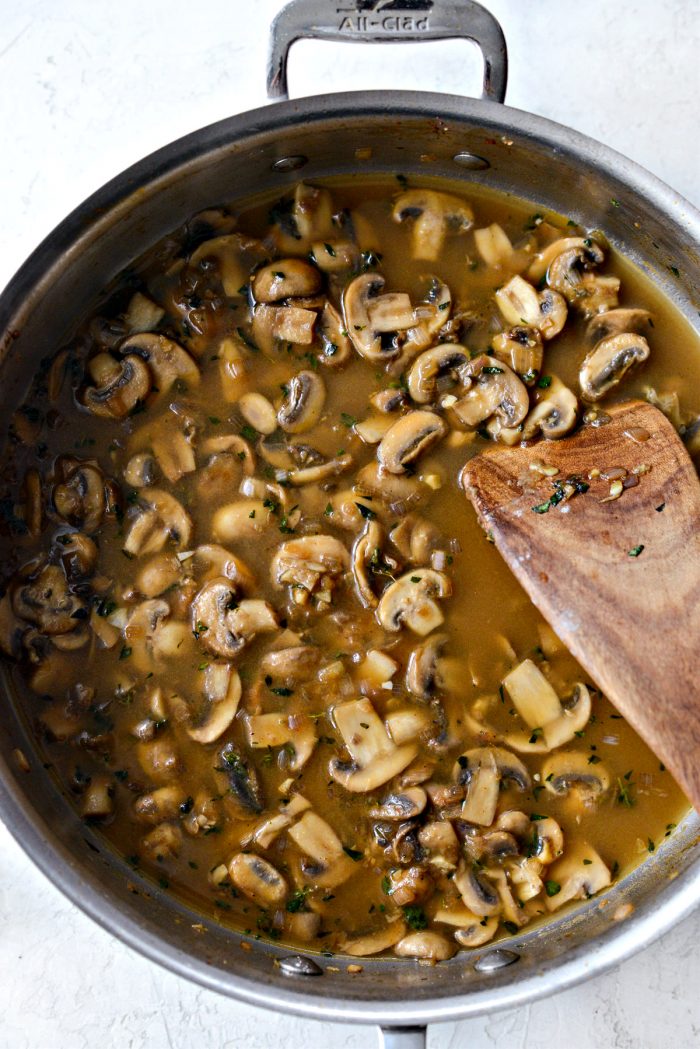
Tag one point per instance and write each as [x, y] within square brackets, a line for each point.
[388, 21]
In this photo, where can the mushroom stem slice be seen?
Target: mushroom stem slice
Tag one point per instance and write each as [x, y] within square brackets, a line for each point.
[434, 214]
[533, 696]
[364, 733]
[482, 791]
[318, 841]
[377, 773]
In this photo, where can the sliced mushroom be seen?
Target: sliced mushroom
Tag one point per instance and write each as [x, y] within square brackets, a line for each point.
[532, 695]
[311, 565]
[549, 840]
[294, 732]
[172, 448]
[442, 360]
[375, 758]
[141, 470]
[423, 674]
[337, 256]
[426, 945]
[303, 402]
[258, 411]
[329, 865]
[566, 270]
[127, 386]
[161, 518]
[379, 771]
[575, 716]
[398, 492]
[441, 843]
[544, 259]
[312, 212]
[293, 324]
[521, 349]
[435, 215]
[291, 665]
[410, 601]
[483, 783]
[410, 436]
[477, 932]
[493, 244]
[80, 498]
[417, 539]
[364, 555]
[336, 347]
[375, 942]
[160, 804]
[580, 873]
[284, 279]
[401, 806]
[222, 624]
[47, 602]
[217, 561]
[431, 316]
[167, 361]
[222, 689]
[318, 473]
[491, 389]
[361, 296]
[78, 555]
[242, 782]
[508, 766]
[158, 575]
[520, 304]
[554, 415]
[257, 879]
[244, 519]
[476, 889]
[609, 361]
[574, 771]
[617, 322]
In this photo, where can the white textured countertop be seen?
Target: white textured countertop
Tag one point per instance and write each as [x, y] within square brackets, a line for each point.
[88, 87]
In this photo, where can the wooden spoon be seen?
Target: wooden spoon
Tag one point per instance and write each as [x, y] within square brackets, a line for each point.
[618, 579]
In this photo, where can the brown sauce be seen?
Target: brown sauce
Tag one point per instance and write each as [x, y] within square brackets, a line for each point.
[132, 657]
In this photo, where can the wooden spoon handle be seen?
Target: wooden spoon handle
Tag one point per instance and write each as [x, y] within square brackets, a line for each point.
[618, 580]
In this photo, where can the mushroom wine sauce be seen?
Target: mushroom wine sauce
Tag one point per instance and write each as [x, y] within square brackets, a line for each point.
[267, 648]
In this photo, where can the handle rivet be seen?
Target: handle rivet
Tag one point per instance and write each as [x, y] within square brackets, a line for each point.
[471, 161]
[292, 163]
[299, 965]
[494, 960]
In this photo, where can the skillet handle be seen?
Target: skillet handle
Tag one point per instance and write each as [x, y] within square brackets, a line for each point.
[388, 21]
[403, 1037]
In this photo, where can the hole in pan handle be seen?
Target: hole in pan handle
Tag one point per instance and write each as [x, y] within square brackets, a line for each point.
[388, 21]
[403, 1037]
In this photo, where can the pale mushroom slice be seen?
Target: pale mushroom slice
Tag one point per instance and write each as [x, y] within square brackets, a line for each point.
[79, 497]
[477, 890]
[47, 601]
[142, 313]
[312, 212]
[493, 244]
[441, 361]
[222, 691]
[508, 766]
[411, 601]
[284, 279]
[294, 732]
[618, 322]
[431, 316]
[579, 874]
[167, 361]
[401, 805]
[162, 572]
[568, 272]
[608, 363]
[368, 315]
[521, 349]
[426, 945]
[375, 757]
[408, 438]
[257, 879]
[491, 389]
[223, 624]
[326, 863]
[303, 402]
[335, 256]
[521, 304]
[570, 247]
[234, 255]
[423, 674]
[336, 346]
[125, 385]
[434, 215]
[365, 554]
[161, 517]
[312, 566]
[553, 417]
[573, 772]
[483, 787]
[375, 942]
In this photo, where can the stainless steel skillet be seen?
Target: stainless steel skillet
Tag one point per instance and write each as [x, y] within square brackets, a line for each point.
[271, 149]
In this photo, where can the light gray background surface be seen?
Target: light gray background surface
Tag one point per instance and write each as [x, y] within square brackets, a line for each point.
[86, 88]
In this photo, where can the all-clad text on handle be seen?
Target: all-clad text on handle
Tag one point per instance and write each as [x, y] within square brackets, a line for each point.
[388, 21]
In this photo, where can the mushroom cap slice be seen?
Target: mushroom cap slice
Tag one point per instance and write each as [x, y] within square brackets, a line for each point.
[401, 805]
[491, 388]
[572, 770]
[434, 214]
[336, 347]
[617, 322]
[423, 671]
[284, 279]
[431, 315]
[554, 415]
[222, 625]
[379, 771]
[477, 891]
[222, 686]
[311, 565]
[609, 361]
[410, 601]
[508, 765]
[424, 373]
[257, 879]
[367, 545]
[318, 841]
[242, 780]
[521, 349]
[374, 942]
[122, 391]
[579, 873]
[409, 437]
[167, 360]
[47, 602]
[356, 300]
[567, 269]
[80, 498]
[477, 932]
[544, 259]
[426, 945]
[303, 403]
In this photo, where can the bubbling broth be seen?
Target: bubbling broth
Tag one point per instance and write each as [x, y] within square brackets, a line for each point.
[268, 648]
